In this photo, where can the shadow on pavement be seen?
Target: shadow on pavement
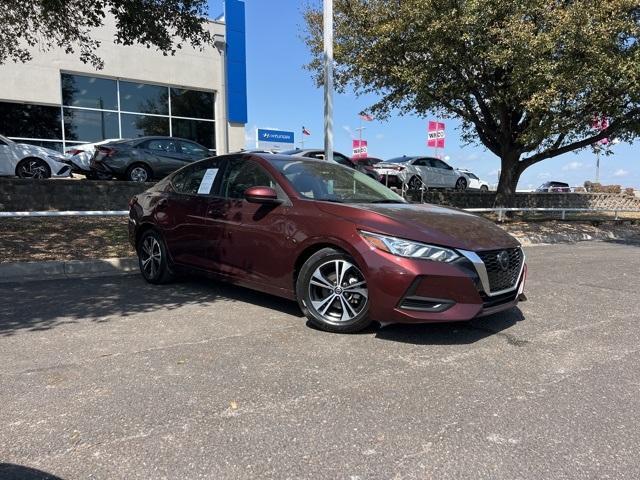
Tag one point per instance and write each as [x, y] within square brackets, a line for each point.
[38, 306]
[456, 333]
[9, 471]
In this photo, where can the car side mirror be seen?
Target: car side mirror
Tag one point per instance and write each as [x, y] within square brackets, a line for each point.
[264, 195]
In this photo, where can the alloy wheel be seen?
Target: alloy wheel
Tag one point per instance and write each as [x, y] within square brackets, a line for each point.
[461, 184]
[139, 174]
[151, 257]
[414, 183]
[33, 169]
[338, 291]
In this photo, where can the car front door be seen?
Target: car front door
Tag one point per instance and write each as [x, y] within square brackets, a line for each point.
[164, 155]
[181, 213]
[253, 248]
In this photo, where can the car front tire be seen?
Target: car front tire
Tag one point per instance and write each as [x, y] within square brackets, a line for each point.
[332, 292]
[153, 258]
[461, 185]
[33, 168]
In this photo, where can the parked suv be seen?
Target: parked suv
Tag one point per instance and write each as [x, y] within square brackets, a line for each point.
[143, 159]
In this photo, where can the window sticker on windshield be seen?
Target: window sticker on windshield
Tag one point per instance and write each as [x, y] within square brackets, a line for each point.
[207, 181]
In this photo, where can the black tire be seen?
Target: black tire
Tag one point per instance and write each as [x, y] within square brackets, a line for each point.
[348, 311]
[138, 172]
[461, 184]
[484, 188]
[156, 270]
[415, 183]
[33, 168]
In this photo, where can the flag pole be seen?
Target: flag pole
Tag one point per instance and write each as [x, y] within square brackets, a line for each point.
[328, 79]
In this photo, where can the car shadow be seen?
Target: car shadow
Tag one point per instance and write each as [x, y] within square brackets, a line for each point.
[10, 471]
[456, 333]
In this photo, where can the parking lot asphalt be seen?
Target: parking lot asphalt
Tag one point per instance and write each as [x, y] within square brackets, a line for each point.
[113, 378]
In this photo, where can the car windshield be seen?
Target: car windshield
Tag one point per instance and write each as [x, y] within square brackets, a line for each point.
[399, 160]
[334, 183]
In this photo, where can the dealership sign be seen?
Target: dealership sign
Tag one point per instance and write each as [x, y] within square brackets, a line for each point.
[275, 136]
[360, 149]
[435, 134]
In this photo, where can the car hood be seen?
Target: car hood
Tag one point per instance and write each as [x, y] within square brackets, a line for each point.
[34, 149]
[426, 223]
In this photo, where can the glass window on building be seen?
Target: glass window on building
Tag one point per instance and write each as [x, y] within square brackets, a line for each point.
[134, 126]
[30, 121]
[90, 125]
[89, 92]
[144, 98]
[199, 131]
[191, 103]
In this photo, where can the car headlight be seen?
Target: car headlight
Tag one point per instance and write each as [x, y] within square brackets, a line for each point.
[409, 249]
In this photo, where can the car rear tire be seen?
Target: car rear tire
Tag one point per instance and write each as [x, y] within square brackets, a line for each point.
[33, 168]
[332, 292]
[415, 183]
[461, 184]
[138, 172]
[153, 258]
[484, 188]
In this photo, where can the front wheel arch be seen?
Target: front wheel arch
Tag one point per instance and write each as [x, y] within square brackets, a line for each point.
[30, 159]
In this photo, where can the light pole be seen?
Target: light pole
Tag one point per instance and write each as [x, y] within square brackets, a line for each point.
[328, 79]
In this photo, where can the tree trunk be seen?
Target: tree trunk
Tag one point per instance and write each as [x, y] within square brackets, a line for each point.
[509, 175]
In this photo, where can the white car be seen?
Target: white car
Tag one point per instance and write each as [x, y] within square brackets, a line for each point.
[80, 155]
[474, 182]
[416, 172]
[30, 161]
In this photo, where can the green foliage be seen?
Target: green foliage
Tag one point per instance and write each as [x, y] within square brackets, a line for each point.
[525, 77]
[68, 24]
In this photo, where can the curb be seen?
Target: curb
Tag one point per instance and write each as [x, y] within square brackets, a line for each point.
[30, 271]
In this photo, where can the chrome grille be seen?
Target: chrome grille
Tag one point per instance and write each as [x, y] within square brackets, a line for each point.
[499, 278]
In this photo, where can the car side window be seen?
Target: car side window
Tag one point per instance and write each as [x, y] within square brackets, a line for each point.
[241, 174]
[190, 148]
[316, 155]
[420, 162]
[440, 164]
[162, 145]
[197, 179]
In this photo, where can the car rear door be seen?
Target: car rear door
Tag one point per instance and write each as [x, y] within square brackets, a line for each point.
[181, 214]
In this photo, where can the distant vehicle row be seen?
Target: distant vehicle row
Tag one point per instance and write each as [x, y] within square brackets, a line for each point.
[148, 158]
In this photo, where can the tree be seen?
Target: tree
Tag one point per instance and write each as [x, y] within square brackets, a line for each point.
[68, 24]
[525, 77]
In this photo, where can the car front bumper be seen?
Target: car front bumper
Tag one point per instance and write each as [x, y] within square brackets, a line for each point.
[403, 290]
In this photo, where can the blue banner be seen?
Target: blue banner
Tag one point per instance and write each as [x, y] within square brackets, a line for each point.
[275, 136]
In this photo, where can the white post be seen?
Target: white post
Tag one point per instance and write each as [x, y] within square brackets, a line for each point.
[328, 79]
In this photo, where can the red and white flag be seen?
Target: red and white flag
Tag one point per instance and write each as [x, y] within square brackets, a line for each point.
[435, 134]
[366, 117]
[305, 131]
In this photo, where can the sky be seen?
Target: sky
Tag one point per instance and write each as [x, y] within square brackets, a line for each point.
[282, 95]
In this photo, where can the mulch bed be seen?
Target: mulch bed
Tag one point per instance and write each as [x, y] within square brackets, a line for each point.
[63, 238]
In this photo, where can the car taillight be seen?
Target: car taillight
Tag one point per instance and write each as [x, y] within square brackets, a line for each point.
[398, 168]
[74, 151]
[106, 151]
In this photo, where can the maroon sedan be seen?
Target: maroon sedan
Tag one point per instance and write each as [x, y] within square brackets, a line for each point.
[348, 249]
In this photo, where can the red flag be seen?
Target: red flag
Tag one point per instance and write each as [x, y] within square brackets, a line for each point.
[435, 134]
[600, 123]
[360, 149]
[366, 117]
[305, 131]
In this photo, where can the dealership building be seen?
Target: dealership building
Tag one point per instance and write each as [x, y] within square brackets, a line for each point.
[57, 101]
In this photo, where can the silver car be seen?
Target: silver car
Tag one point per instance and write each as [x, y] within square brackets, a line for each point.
[417, 172]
